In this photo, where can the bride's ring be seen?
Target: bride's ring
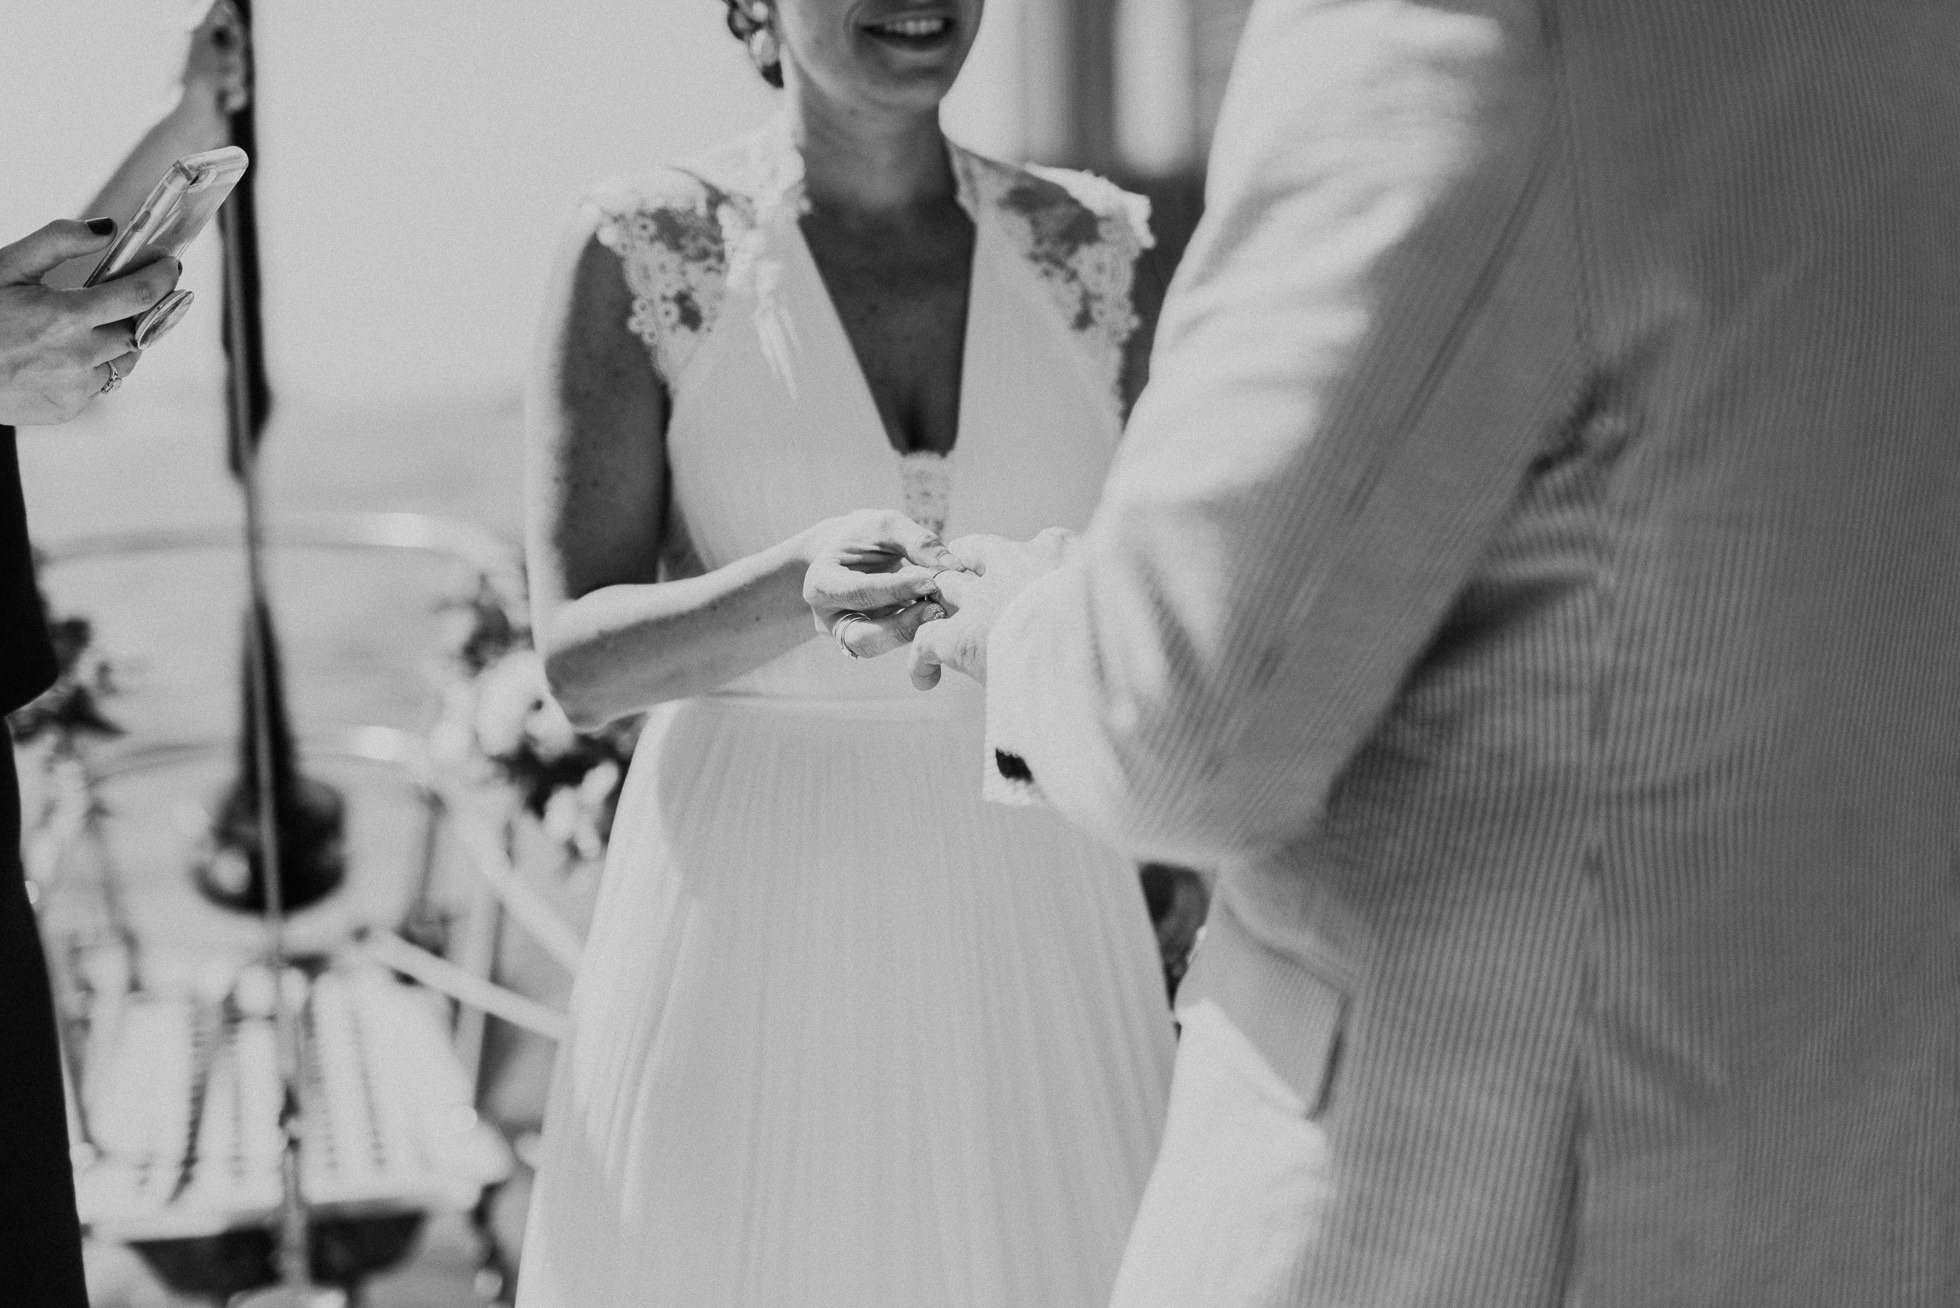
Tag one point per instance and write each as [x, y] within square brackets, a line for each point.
[842, 623]
[115, 378]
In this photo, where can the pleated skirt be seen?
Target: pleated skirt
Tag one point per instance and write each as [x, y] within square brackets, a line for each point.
[846, 1035]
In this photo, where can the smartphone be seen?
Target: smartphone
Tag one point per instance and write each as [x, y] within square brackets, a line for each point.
[178, 209]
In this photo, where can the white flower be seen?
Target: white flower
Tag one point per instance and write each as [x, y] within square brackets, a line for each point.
[551, 733]
[596, 786]
[509, 692]
[561, 817]
[453, 738]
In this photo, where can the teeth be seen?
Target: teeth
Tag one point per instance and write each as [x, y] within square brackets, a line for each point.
[919, 27]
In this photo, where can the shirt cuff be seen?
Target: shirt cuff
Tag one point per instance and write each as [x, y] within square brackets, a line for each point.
[1008, 780]
[1013, 679]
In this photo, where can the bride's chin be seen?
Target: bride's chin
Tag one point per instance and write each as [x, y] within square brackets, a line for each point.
[869, 78]
[889, 95]
[918, 88]
[917, 71]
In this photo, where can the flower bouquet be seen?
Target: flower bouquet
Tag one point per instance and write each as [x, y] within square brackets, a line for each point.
[499, 724]
[70, 710]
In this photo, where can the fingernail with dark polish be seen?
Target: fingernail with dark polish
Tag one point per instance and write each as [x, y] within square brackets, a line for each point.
[101, 226]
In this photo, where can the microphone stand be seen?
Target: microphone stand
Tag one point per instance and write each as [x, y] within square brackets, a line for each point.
[294, 1256]
[295, 1288]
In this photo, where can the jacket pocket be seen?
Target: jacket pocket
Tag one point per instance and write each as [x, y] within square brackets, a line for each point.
[1293, 1017]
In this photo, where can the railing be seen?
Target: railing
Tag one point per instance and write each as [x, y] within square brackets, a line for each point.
[457, 811]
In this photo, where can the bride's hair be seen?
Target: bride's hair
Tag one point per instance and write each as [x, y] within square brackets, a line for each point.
[744, 21]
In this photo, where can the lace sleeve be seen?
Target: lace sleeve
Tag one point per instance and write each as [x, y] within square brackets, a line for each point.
[1083, 236]
[670, 242]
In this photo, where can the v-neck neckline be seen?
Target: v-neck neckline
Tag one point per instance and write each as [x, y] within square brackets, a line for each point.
[789, 202]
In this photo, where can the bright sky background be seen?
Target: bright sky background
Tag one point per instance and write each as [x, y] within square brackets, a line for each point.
[416, 156]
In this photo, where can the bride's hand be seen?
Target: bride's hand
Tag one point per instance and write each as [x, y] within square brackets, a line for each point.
[870, 581]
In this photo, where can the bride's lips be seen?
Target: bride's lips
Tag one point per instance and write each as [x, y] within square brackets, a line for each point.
[912, 29]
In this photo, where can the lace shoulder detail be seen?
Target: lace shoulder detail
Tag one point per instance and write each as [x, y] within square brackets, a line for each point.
[1082, 236]
[672, 234]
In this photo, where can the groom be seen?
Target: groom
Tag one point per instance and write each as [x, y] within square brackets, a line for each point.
[1532, 579]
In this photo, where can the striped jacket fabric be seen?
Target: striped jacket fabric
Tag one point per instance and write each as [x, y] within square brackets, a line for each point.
[1532, 579]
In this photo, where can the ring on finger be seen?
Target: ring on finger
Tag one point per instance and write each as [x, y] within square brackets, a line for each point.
[115, 378]
[841, 624]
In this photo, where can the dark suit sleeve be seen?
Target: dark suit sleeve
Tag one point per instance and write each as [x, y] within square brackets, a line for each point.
[27, 664]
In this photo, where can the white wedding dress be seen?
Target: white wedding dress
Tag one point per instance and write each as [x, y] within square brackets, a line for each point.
[844, 1033]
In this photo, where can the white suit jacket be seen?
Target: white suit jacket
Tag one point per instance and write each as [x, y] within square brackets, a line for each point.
[1532, 577]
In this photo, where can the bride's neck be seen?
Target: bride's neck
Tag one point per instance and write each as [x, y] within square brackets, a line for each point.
[869, 163]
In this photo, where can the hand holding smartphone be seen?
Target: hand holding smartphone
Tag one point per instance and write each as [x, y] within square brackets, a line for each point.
[179, 207]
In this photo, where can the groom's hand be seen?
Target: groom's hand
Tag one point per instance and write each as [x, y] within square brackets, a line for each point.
[999, 570]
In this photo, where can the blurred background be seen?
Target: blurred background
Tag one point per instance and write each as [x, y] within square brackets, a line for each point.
[417, 160]
[415, 163]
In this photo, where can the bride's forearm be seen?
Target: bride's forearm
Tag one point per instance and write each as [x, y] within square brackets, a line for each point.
[195, 123]
[624, 648]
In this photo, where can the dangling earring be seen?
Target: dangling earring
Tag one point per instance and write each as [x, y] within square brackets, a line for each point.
[764, 52]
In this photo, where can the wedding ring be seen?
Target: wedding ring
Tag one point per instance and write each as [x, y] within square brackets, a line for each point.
[841, 623]
[115, 378]
[935, 612]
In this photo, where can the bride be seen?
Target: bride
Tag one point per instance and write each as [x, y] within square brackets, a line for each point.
[844, 1034]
